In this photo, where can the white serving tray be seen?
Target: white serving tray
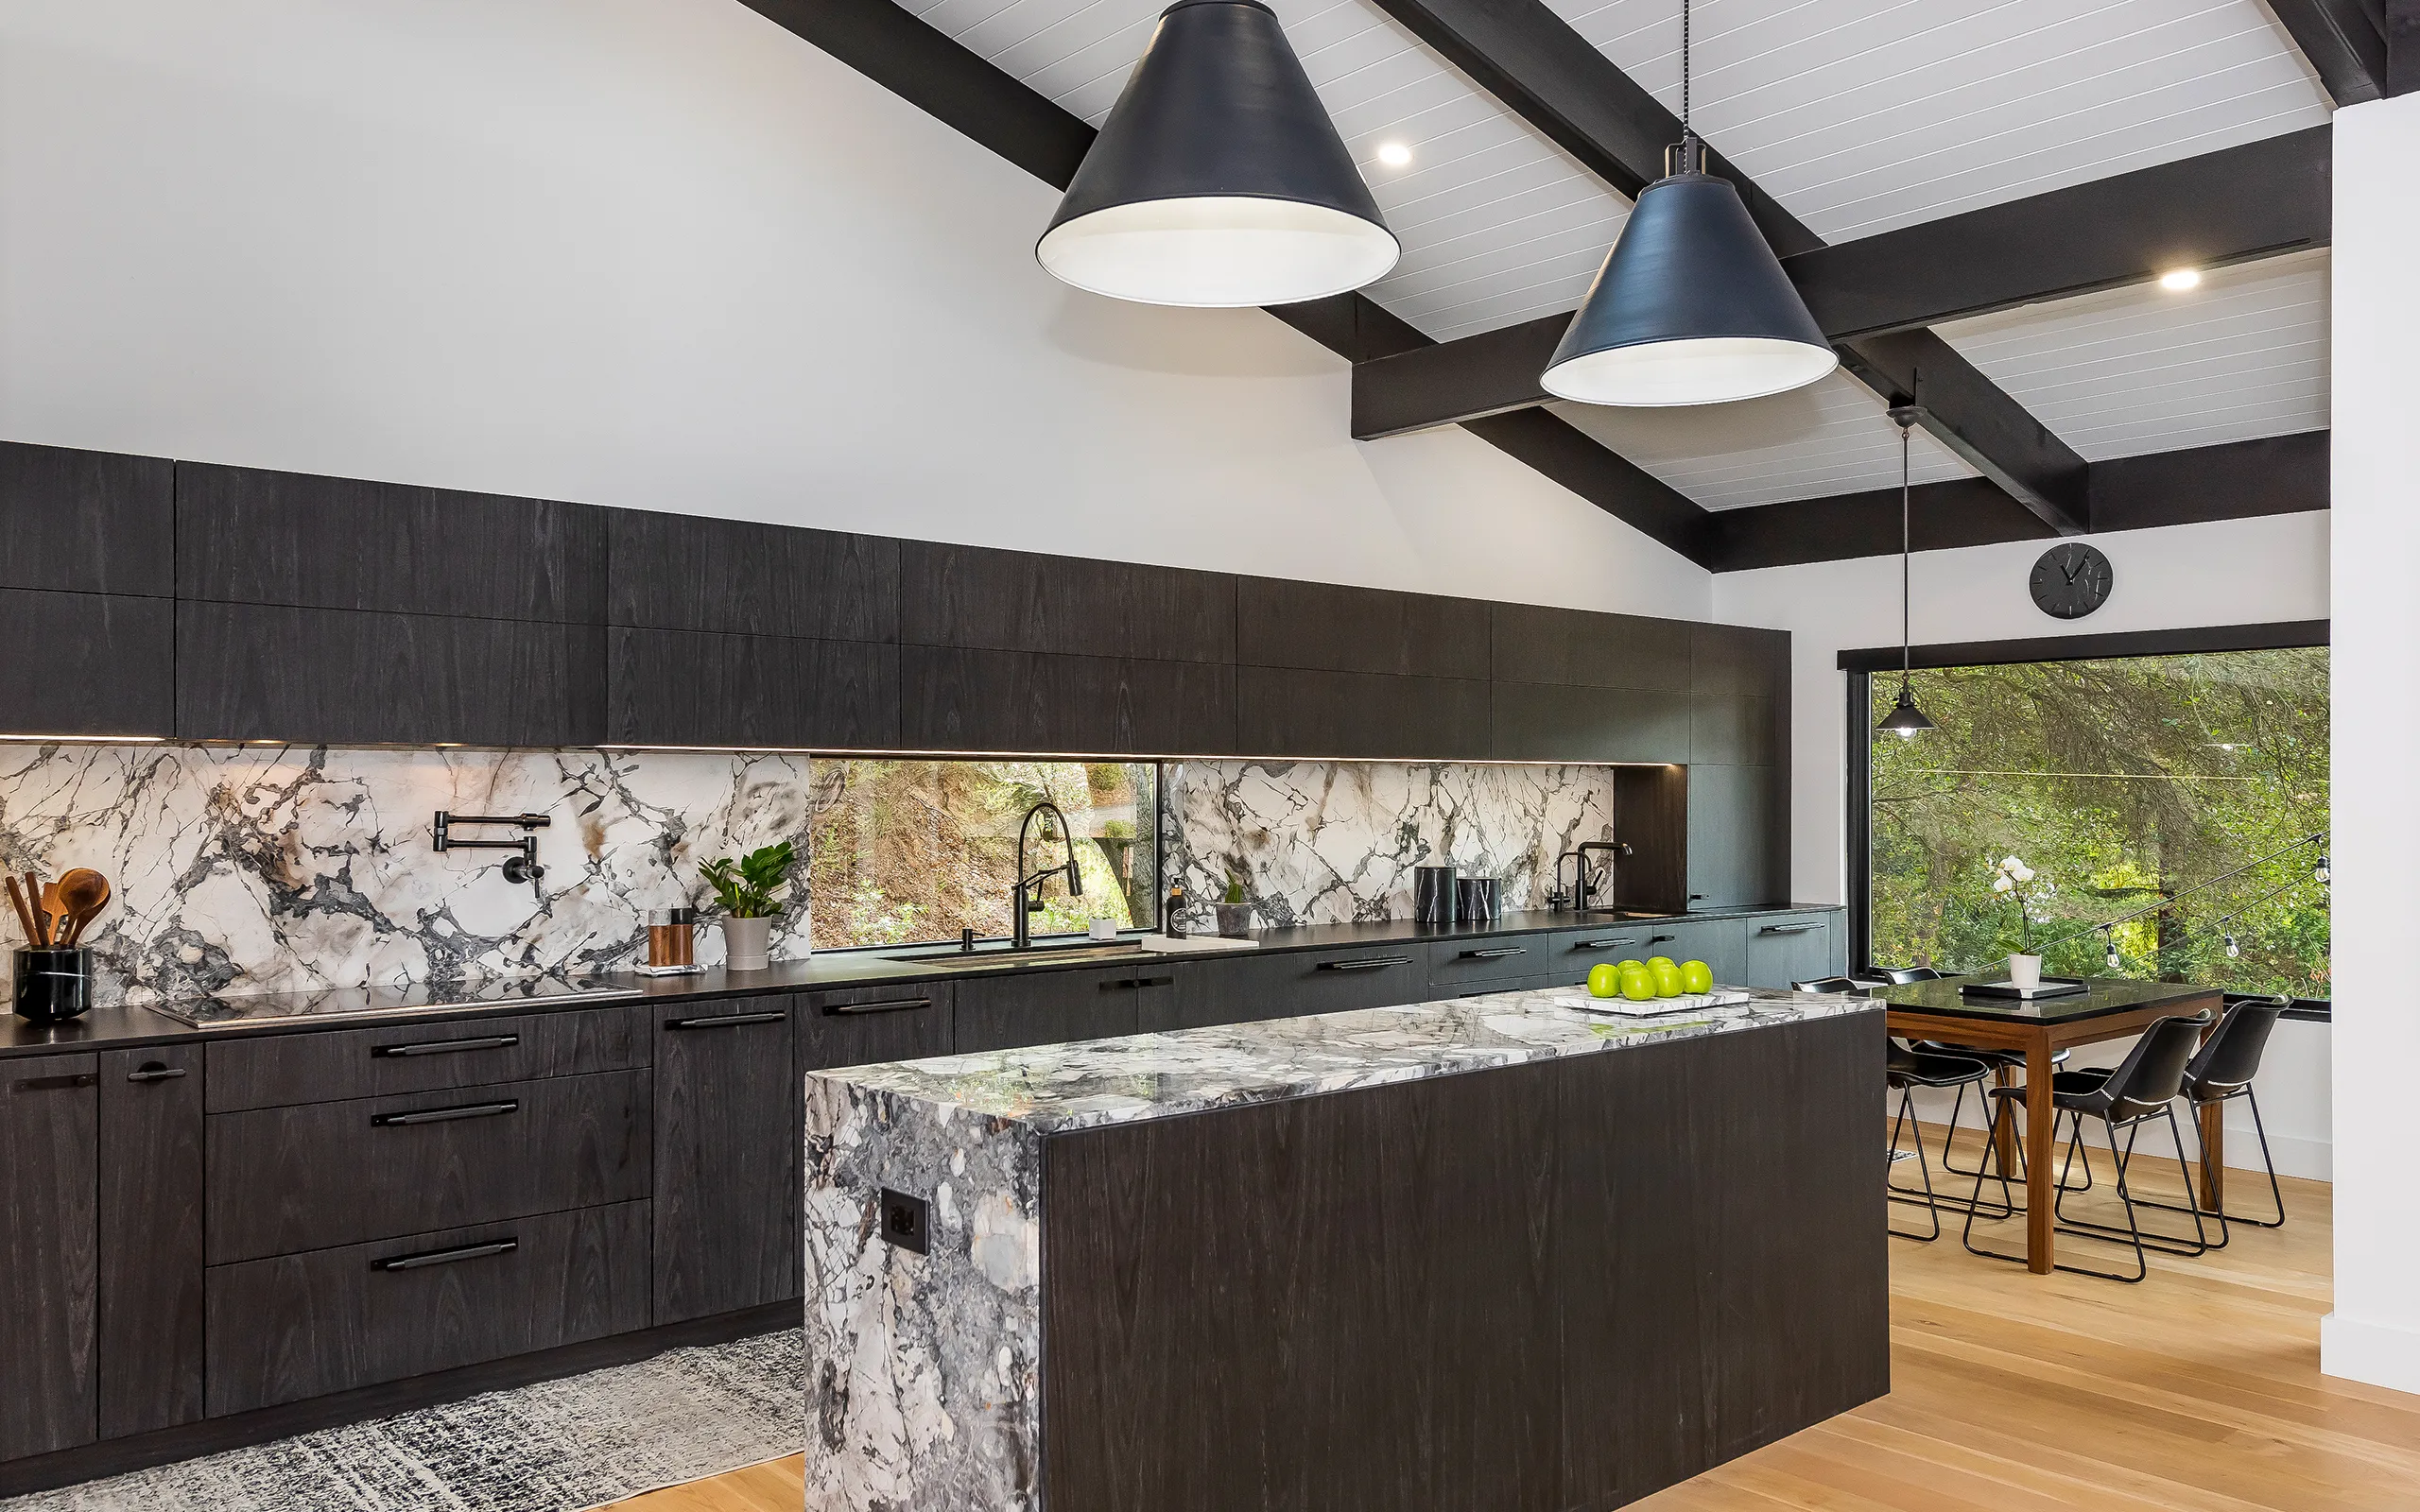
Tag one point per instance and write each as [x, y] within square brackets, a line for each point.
[1721, 997]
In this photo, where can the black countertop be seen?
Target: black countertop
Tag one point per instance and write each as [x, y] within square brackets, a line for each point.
[2100, 997]
[128, 1027]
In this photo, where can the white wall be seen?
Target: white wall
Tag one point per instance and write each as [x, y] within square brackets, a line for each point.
[662, 253]
[2373, 1334]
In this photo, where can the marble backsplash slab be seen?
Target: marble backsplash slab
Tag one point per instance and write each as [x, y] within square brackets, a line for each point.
[1335, 842]
[288, 869]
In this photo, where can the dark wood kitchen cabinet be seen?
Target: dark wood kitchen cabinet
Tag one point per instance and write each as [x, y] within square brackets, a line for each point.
[1246, 986]
[151, 1229]
[960, 699]
[105, 668]
[250, 536]
[706, 688]
[74, 521]
[1294, 712]
[977, 598]
[1330, 628]
[1536, 721]
[49, 1232]
[679, 572]
[1739, 835]
[868, 1026]
[727, 1138]
[1576, 648]
[1056, 1007]
[310, 676]
[1789, 948]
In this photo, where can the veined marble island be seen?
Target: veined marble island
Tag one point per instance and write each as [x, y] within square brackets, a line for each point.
[1495, 1253]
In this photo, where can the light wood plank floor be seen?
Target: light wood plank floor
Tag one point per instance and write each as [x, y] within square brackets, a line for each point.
[2197, 1391]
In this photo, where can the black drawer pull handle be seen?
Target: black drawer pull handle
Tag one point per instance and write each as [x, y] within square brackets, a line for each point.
[1496, 953]
[153, 1071]
[1660, 939]
[44, 1084]
[1788, 929]
[886, 1006]
[447, 1047]
[445, 1115]
[447, 1257]
[1613, 944]
[725, 1020]
[1126, 983]
[1372, 962]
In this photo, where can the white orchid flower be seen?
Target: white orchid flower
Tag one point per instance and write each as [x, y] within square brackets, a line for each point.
[2001, 884]
[2024, 872]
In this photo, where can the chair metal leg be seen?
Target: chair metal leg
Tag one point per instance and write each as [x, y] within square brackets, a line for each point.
[2134, 1231]
[1949, 1142]
[2226, 1219]
[1907, 1116]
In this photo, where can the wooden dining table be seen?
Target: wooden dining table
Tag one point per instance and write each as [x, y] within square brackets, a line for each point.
[2107, 1008]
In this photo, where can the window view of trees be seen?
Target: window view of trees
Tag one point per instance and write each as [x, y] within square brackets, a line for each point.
[906, 851]
[2116, 783]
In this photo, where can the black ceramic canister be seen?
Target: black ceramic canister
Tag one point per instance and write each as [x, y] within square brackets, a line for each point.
[54, 985]
[1480, 900]
[1432, 895]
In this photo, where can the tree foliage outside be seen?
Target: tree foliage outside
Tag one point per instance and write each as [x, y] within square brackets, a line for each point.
[2119, 782]
[908, 852]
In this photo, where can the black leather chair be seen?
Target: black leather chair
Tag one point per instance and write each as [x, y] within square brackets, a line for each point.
[2143, 1087]
[1998, 1061]
[2220, 1073]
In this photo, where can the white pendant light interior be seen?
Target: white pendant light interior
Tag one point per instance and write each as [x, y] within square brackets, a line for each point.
[1219, 252]
[1702, 370]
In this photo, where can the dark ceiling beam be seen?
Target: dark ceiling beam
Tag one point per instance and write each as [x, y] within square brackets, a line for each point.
[2281, 474]
[1529, 59]
[2245, 202]
[933, 72]
[2402, 46]
[1975, 418]
[2344, 41]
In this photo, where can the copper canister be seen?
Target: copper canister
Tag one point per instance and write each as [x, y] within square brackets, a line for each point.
[671, 940]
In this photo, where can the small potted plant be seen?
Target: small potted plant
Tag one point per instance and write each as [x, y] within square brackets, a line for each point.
[2014, 878]
[1234, 915]
[745, 888]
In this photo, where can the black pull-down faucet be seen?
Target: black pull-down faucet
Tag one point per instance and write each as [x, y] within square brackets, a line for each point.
[1028, 898]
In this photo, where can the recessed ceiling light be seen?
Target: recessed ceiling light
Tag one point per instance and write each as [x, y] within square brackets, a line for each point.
[2182, 278]
[1394, 154]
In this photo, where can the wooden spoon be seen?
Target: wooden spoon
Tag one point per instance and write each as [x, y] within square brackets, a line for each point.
[33, 901]
[83, 893]
[54, 915]
[25, 915]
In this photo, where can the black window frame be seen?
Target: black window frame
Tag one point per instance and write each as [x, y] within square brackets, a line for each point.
[1863, 666]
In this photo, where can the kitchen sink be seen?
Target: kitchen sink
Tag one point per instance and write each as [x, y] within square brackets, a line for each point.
[1630, 913]
[1038, 954]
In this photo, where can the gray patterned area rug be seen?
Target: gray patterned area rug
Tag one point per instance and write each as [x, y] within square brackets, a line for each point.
[555, 1445]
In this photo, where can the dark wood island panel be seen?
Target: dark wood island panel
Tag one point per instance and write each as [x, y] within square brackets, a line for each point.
[1558, 1286]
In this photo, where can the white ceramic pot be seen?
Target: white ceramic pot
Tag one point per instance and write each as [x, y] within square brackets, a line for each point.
[744, 942]
[2025, 971]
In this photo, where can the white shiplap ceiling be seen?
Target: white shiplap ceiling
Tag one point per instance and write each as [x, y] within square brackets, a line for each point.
[1859, 116]
[2148, 370]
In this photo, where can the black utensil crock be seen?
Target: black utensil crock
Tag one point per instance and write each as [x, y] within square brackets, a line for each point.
[53, 984]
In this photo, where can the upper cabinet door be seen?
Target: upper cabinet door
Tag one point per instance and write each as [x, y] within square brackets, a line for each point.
[1576, 648]
[245, 536]
[675, 572]
[316, 676]
[978, 599]
[104, 667]
[1327, 627]
[86, 521]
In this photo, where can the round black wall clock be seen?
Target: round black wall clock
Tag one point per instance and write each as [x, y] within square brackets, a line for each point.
[2072, 581]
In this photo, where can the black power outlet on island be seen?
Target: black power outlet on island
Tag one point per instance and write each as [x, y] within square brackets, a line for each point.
[906, 1221]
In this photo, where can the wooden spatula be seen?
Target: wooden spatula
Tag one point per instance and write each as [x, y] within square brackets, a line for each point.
[82, 893]
[25, 915]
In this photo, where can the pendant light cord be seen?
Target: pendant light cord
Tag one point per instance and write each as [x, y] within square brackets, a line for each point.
[1684, 70]
[1904, 549]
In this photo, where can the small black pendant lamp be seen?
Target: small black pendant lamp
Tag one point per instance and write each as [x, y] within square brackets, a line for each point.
[1218, 179]
[1907, 719]
[1691, 307]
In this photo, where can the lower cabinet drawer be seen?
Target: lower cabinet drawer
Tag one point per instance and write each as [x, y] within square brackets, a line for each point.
[306, 1325]
[286, 1179]
[1498, 957]
[1239, 989]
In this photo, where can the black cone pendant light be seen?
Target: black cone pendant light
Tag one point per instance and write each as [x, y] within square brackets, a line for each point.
[1691, 307]
[1906, 720]
[1218, 179]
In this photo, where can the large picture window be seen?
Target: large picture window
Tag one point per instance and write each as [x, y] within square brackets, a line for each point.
[910, 851]
[2100, 788]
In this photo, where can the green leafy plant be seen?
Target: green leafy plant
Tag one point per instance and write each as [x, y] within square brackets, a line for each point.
[745, 888]
[1234, 888]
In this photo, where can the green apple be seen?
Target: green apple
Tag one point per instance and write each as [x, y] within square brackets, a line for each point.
[1654, 961]
[1605, 981]
[1634, 964]
[1667, 978]
[1638, 985]
[1696, 976]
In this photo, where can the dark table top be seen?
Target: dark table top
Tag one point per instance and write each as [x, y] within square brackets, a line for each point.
[2102, 997]
[122, 1028]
